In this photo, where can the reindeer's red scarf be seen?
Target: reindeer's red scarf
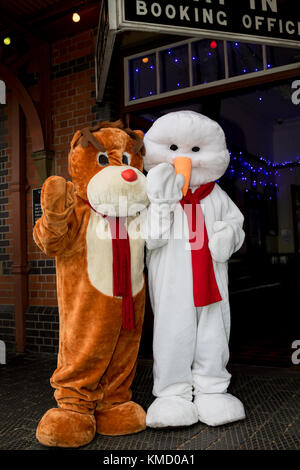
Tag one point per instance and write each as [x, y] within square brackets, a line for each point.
[205, 288]
[121, 266]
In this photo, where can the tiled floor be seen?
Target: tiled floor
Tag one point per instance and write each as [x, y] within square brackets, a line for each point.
[271, 397]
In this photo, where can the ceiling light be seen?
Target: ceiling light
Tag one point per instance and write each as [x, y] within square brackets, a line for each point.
[76, 17]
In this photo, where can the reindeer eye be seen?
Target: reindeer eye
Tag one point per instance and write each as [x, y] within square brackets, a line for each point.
[125, 159]
[103, 159]
[174, 147]
[195, 149]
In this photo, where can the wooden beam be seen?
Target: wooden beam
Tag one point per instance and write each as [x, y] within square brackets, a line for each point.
[18, 202]
[44, 84]
[17, 26]
[60, 9]
[33, 120]
[214, 90]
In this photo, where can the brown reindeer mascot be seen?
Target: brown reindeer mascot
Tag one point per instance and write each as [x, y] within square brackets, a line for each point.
[100, 285]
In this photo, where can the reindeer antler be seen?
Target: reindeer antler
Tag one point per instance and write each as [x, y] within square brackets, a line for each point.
[85, 136]
[139, 144]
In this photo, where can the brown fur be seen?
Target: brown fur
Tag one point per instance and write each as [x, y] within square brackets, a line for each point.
[97, 358]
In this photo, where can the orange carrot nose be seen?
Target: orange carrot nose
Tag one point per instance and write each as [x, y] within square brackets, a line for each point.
[183, 166]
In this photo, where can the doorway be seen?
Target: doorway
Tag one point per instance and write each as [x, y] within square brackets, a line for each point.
[261, 125]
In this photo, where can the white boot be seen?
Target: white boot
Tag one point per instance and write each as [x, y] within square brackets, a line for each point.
[216, 409]
[171, 411]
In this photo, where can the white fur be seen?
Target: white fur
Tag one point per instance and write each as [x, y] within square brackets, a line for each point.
[110, 194]
[190, 344]
[171, 412]
[100, 257]
[163, 185]
[216, 409]
[221, 244]
[188, 129]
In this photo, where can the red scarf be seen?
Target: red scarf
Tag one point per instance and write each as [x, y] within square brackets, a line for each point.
[121, 267]
[205, 288]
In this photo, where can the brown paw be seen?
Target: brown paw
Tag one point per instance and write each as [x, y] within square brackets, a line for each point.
[127, 418]
[57, 194]
[64, 428]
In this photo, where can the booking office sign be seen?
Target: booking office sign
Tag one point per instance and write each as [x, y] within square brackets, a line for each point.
[274, 22]
[270, 22]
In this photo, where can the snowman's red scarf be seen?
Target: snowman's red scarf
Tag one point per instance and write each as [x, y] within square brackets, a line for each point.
[121, 266]
[205, 288]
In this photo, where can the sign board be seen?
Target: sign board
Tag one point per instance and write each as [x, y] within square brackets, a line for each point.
[36, 205]
[265, 21]
[107, 29]
[2, 92]
[274, 22]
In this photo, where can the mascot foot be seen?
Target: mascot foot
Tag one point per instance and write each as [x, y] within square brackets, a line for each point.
[216, 409]
[171, 412]
[127, 418]
[64, 428]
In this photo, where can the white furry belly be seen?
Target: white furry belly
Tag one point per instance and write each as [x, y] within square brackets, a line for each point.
[100, 257]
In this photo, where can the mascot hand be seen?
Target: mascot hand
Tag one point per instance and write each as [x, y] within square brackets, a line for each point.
[57, 195]
[163, 185]
[221, 244]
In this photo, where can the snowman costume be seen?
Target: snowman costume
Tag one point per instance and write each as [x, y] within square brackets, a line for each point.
[190, 344]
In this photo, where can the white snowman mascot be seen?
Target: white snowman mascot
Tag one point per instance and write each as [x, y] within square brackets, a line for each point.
[188, 275]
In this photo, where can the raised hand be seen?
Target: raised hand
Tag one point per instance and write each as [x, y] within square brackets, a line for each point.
[163, 185]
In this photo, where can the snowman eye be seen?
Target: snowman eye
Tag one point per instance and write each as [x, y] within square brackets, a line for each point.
[173, 147]
[195, 149]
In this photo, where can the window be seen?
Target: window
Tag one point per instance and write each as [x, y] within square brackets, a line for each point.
[244, 58]
[174, 68]
[278, 56]
[194, 64]
[208, 63]
[142, 73]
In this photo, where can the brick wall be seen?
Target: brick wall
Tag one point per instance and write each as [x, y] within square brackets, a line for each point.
[73, 107]
[4, 201]
[7, 324]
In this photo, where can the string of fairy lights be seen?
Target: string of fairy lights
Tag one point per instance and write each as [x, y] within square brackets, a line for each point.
[209, 49]
[263, 172]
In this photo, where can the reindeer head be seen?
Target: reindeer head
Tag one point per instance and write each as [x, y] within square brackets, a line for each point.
[106, 163]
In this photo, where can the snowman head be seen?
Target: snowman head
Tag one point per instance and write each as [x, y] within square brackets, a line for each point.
[196, 138]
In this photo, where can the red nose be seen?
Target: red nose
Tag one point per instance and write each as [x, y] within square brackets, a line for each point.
[129, 175]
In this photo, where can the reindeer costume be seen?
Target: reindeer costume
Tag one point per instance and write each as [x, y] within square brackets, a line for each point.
[100, 285]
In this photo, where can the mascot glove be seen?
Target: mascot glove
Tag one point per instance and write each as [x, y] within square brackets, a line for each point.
[163, 185]
[221, 243]
[57, 199]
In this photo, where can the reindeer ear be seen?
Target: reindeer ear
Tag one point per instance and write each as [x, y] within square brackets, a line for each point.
[140, 133]
[75, 139]
[137, 137]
